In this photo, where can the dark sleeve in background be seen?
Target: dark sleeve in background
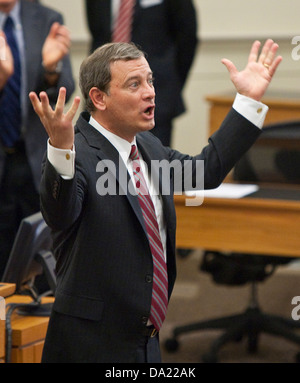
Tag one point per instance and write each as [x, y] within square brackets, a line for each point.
[183, 26]
[98, 16]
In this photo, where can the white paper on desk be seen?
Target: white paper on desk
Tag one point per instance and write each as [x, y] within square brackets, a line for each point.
[226, 190]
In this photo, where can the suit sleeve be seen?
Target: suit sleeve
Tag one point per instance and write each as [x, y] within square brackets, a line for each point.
[183, 25]
[61, 199]
[225, 147]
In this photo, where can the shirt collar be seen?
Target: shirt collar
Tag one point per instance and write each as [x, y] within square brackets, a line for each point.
[122, 146]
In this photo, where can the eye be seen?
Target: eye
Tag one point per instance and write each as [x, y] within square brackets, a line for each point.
[134, 84]
[151, 81]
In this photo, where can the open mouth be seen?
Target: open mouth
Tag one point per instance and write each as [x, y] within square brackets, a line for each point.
[149, 111]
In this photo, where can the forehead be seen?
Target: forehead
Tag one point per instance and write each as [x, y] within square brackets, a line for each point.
[122, 70]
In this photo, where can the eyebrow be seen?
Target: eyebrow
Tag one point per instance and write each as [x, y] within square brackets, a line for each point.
[137, 77]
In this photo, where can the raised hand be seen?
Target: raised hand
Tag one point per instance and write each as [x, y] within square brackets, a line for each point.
[254, 80]
[6, 61]
[56, 46]
[58, 124]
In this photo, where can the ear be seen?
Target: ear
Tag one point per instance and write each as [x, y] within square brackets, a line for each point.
[98, 98]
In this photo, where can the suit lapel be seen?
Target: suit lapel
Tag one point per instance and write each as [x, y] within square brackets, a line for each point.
[106, 151]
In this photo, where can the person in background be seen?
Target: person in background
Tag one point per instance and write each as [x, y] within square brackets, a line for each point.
[114, 223]
[34, 56]
[167, 31]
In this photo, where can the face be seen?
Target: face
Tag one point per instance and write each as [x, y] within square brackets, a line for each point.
[7, 5]
[129, 106]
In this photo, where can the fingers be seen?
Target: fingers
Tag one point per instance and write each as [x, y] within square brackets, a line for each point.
[268, 57]
[63, 37]
[61, 100]
[60, 104]
[274, 66]
[254, 51]
[35, 102]
[40, 104]
[73, 109]
[43, 109]
[265, 52]
[54, 29]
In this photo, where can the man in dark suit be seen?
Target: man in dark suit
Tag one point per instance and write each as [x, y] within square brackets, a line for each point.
[43, 46]
[107, 267]
[167, 31]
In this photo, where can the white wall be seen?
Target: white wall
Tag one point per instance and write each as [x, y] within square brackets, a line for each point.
[227, 29]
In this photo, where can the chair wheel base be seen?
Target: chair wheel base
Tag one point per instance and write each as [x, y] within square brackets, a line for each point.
[171, 345]
[209, 358]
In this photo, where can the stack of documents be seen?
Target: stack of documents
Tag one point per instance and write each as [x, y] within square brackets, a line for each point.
[226, 190]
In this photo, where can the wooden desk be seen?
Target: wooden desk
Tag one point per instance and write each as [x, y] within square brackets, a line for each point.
[28, 333]
[6, 289]
[255, 225]
[282, 108]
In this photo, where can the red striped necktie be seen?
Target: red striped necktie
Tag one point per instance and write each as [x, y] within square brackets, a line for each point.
[123, 25]
[160, 278]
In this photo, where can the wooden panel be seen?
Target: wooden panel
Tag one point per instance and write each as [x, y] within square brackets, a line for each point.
[27, 329]
[28, 333]
[28, 354]
[280, 109]
[2, 339]
[7, 289]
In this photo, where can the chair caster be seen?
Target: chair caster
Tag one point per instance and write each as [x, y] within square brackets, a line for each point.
[184, 253]
[238, 338]
[252, 344]
[171, 345]
[209, 358]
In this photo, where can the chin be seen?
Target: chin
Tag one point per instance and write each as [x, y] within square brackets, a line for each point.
[151, 125]
[146, 127]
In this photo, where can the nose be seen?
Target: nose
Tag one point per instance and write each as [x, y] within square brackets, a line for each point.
[149, 91]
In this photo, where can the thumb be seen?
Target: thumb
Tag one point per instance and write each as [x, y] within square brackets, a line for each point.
[54, 29]
[230, 66]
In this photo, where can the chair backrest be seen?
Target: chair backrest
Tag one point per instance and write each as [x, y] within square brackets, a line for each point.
[274, 158]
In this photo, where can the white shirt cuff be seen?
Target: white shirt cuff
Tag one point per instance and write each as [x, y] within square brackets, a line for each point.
[63, 160]
[252, 110]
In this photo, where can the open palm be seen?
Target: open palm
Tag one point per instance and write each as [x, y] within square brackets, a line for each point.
[254, 80]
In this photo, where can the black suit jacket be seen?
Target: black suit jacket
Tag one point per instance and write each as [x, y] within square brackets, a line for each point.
[167, 32]
[36, 21]
[103, 294]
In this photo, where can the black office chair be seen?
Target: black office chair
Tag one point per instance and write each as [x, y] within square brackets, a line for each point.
[273, 159]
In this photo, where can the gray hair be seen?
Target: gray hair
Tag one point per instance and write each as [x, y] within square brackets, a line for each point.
[95, 69]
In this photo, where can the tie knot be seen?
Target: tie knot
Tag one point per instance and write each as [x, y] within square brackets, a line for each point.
[134, 153]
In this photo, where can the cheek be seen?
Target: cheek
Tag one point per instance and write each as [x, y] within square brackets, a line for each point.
[127, 107]
[124, 105]
[123, 111]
